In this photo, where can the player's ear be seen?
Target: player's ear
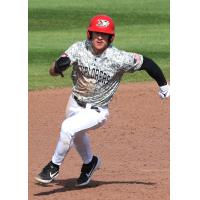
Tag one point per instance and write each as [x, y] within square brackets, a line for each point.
[89, 35]
[111, 38]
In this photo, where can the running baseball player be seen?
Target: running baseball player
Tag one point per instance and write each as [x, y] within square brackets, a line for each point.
[97, 70]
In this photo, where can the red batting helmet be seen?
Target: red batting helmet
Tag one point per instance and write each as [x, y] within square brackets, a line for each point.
[102, 24]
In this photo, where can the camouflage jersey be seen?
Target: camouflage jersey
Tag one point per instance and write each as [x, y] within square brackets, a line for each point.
[97, 77]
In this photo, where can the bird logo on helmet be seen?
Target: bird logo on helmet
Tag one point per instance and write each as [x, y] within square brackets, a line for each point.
[102, 24]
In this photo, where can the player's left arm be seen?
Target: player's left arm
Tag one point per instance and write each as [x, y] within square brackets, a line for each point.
[156, 73]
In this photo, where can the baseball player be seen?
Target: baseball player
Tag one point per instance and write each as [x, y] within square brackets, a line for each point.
[97, 70]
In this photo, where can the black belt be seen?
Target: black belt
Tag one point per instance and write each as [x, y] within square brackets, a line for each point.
[83, 104]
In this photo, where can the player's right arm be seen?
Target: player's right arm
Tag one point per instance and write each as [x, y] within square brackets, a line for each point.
[60, 65]
[69, 57]
[52, 70]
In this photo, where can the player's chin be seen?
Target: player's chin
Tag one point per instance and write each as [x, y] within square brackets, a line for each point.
[100, 46]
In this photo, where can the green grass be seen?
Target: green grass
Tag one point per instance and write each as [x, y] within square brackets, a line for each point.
[141, 26]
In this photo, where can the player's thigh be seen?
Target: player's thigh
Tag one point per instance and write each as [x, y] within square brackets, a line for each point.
[84, 120]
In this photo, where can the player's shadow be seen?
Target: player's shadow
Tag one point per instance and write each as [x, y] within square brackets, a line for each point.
[69, 185]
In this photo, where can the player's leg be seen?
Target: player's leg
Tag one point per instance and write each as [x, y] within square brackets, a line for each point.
[71, 128]
[51, 170]
[91, 163]
[85, 119]
[83, 146]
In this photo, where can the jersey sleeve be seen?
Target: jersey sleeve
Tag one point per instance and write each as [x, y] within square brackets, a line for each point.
[130, 62]
[72, 52]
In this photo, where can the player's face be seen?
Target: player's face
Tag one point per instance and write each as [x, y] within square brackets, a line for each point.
[100, 42]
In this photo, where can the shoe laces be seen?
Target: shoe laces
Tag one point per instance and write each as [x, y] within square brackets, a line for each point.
[49, 167]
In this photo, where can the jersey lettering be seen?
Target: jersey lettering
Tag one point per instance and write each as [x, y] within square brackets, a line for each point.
[96, 74]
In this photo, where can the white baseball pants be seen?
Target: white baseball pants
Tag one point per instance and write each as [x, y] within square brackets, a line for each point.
[73, 130]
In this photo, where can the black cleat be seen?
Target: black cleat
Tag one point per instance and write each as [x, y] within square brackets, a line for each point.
[48, 173]
[87, 170]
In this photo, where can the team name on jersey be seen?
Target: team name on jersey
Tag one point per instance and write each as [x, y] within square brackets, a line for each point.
[97, 74]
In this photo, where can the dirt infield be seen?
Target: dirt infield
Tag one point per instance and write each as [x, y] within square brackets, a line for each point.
[133, 146]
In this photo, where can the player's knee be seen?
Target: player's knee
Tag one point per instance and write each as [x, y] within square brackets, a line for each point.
[66, 133]
[65, 138]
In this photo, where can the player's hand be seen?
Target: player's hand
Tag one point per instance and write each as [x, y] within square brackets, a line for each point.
[164, 91]
[53, 73]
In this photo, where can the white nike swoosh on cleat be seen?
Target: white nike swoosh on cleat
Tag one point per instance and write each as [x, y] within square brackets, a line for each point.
[52, 175]
[90, 174]
[40, 180]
